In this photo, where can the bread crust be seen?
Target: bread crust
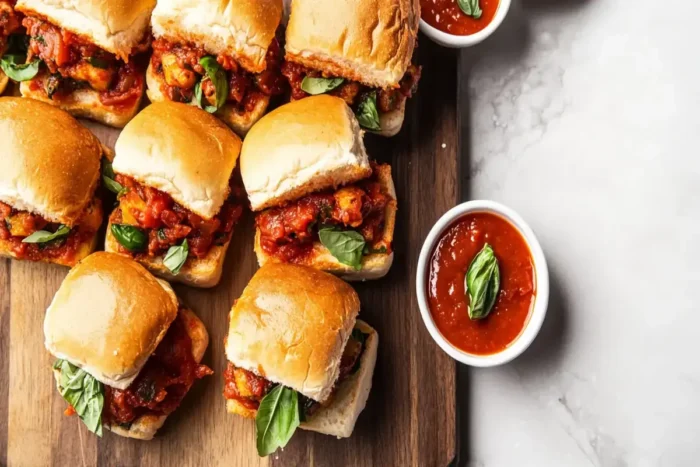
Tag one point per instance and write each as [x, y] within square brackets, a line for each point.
[40, 139]
[369, 41]
[291, 325]
[302, 147]
[374, 266]
[239, 122]
[84, 103]
[202, 273]
[118, 26]
[391, 122]
[240, 29]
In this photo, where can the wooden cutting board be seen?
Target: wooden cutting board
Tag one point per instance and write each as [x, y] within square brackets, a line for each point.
[410, 419]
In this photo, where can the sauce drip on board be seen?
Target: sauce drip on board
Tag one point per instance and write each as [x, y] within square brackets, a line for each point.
[446, 16]
[449, 263]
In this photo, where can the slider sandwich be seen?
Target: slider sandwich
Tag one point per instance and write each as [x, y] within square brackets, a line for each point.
[11, 64]
[297, 355]
[359, 50]
[178, 197]
[49, 171]
[320, 201]
[128, 351]
[84, 54]
[219, 56]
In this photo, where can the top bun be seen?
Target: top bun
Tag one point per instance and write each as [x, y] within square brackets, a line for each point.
[370, 41]
[108, 317]
[49, 163]
[301, 147]
[291, 325]
[117, 26]
[181, 150]
[241, 29]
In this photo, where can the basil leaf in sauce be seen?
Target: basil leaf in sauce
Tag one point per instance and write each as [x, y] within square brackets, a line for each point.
[346, 246]
[367, 113]
[470, 8]
[176, 256]
[482, 283]
[315, 86]
[42, 236]
[277, 419]
[83, 392]
[130, 237]
[16, 70]
[217, 75]
[108, 179]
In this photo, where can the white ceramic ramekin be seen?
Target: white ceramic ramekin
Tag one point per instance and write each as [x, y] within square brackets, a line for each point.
[458, 42]
[539, 310]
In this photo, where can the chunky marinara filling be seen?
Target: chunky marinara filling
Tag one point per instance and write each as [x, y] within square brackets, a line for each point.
[10, 22]
[167, 223]
[162, 383]
[288, 232]
[353, 92]
[178, 64]
[74, 63]
[248, 389]
[16, 225]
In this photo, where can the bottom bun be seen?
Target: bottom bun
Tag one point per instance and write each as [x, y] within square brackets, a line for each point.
[84, 249]
[391, 122]
[338, 419]
[203, 273]
[240, 123]
[82, 103]
[3, 81]
[146, 426]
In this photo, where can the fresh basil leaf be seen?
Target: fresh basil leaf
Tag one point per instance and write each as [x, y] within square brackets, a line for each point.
[277, 419]
[42, 236]
[99, 62]
[130, 237]
[345, 245]
[108, 179]
[482, 283]
[315, 86]
[367, 113]
[217, 75]
[16, 70]
[176, 256]
[83, 392]
[470, 8]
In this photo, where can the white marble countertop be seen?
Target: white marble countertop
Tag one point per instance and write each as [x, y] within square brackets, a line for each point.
[584, 116]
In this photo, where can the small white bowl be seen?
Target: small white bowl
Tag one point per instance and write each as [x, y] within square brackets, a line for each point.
[539, 310]
[457, 42]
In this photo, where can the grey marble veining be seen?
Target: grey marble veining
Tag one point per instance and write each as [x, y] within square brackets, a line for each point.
[584, 116]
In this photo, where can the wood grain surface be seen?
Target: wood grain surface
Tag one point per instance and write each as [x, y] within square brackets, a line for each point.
[410, 419]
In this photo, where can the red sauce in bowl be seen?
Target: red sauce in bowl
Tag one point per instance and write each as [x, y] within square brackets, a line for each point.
[458, 245]
[446, 16]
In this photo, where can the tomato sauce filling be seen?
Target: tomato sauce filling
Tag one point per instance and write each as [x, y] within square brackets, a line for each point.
[167, 223]
[10, 22]
[72, 63]
[353, 92]
[446, 290]
[162, 383]
[178, 66]
[16, 225]
[288, 232]
[248, 389]
[446, 16]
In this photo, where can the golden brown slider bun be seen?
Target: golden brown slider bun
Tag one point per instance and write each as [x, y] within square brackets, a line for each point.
[349, 400]
[291, 325]
[182, 151]
[369, 41]
[374, 265]
[242, 29]
[302, 147]
[118, 26]
[239, 122]
[50, 164]
[108, 317]
[84, 103]
[391, 122]
[3, 81]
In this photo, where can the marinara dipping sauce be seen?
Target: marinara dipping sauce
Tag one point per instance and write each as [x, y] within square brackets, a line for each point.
[449, 263]
[446, 16]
